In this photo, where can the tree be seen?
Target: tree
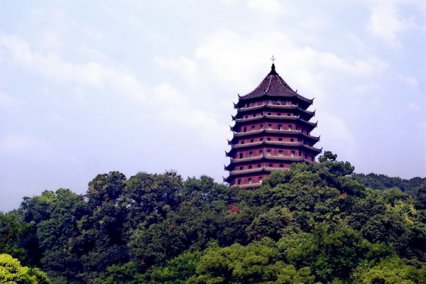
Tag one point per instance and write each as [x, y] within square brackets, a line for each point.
[256, 263]
[270, 224]
[391, 270]
[11, 271]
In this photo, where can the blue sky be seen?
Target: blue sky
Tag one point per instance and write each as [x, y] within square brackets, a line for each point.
[87, 87]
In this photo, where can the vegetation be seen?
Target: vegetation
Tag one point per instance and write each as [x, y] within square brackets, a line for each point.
[316, 223]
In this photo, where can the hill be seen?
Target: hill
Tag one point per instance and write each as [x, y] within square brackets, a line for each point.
[314, 223]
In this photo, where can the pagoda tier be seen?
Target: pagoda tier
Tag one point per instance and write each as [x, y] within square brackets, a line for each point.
[271, 132]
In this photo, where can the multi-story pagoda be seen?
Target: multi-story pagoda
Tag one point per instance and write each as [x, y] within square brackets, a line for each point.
[271, 132]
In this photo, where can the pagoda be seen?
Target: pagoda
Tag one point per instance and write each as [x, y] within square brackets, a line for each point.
[271, 132]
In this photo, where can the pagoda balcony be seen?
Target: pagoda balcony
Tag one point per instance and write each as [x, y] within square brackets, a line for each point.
[312, 125]
[293, 144]
[246, 171]
[252, 144]
[272, 143]
[277, 117]
[268, 157]
[270, 130]
[265, 157]
[248, 185]
[255, 170]
[280, 107]
[261, 143]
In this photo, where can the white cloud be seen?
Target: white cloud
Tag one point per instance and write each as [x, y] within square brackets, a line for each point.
[177, 109]
[7, 101]
[237, 60]
[94, 74]
[371, 88]
[269, 7]
[336, 135]
[408, 80]
[186, 67]
[386, 21]
[25, 145]
[414, 106]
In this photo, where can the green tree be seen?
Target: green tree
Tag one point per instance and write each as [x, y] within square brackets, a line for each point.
[391, 270]
[11, 271]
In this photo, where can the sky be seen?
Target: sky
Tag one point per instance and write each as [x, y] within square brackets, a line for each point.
[89, 87]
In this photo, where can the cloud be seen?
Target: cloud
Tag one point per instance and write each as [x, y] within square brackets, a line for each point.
[187, 68]
[386, 21]
[91, 73]
[408, 80]
[7, 101]
[24, 146]
[336, 135]
[414, 106]
[179, 110]
[269, 7]
[236, 60]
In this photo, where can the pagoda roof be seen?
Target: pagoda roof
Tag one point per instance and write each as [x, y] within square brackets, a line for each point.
[273, 86]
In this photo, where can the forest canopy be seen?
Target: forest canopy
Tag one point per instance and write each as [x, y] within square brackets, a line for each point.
[315, 223]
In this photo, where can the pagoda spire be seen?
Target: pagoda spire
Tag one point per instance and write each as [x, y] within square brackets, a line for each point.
[273, 72]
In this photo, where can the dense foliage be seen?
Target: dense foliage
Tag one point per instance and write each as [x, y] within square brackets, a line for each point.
[316, 223]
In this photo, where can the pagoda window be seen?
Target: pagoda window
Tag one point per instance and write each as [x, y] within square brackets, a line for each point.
[261, 126]
[280, 139]
[249, 180]
[280, 152]
[291, 140]
[250, 153]
[269, 113]
[290, 127]
[297, 127]
[279, 114]
[270, 165]
[244, 129]
[269, 125]
[258, 165]
[254, 115]
[242, 141]
[281, 166]
[261, 139]
[280, 126]
[246, 116]
[268, 151]
[269, 138]
[251, 140]
[250, 166]
[292, 154]
[241, 168]
[252, 127]
[241, 155]
[239, 181]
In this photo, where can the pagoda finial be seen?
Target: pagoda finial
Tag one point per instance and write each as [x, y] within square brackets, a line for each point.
[273, 72]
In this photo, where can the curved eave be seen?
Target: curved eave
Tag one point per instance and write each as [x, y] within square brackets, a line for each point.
[278, 132]
[244, 99]
[298, 109]
[237, 173]
[272, 143]
[248, 185]
[275, 117]
[265, 158]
